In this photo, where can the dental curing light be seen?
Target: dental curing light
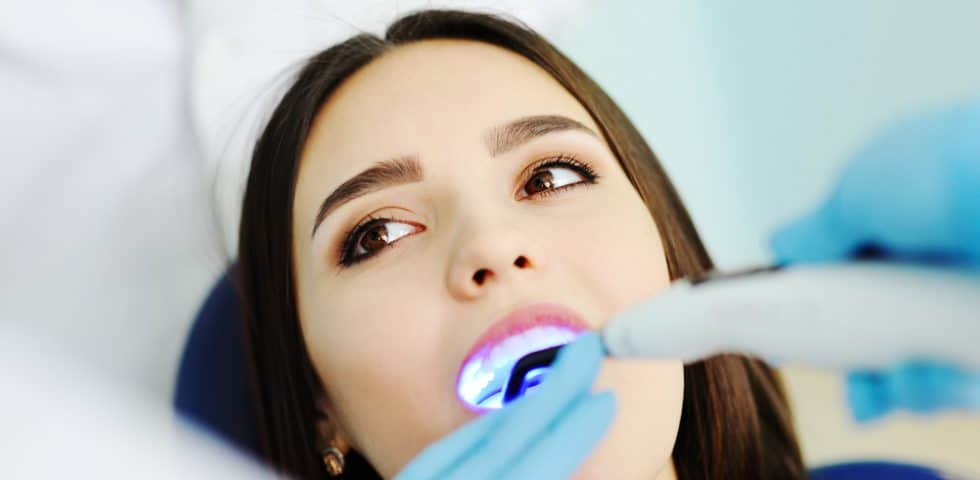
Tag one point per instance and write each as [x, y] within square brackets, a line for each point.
[867, 314]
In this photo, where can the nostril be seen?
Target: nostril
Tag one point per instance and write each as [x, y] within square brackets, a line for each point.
[479, 276]
[521, 261]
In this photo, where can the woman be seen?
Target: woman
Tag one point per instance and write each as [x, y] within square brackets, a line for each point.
[410, 192]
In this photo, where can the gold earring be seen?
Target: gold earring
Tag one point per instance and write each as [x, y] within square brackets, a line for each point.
[333, 460]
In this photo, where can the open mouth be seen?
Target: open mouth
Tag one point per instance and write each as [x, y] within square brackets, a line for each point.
[485, 374]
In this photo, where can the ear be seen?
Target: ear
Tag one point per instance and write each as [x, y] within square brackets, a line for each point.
[329, 431]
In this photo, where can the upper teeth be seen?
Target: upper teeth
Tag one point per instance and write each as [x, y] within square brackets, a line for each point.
[487, 372]
[538, 338]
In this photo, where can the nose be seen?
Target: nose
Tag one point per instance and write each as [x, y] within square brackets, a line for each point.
[489, 259]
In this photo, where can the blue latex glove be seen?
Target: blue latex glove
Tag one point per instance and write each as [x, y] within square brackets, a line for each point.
[917, 385]
[912, 194]
[546, 434]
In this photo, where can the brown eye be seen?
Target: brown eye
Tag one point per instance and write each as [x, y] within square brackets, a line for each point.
[554, 175]
[373, 236]
[541, 181]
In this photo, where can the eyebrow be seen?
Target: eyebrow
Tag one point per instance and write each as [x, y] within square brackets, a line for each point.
[408, 169]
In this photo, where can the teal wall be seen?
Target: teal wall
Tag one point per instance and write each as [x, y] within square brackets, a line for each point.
[754, 106]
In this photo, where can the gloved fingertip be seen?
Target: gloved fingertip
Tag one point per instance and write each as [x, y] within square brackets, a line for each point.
[576, 365]
[561, 448]
[810, 239]
[603, 345]
[587, 344]
[608, 400]
[924, 386]
[599, 409]
[866, 396]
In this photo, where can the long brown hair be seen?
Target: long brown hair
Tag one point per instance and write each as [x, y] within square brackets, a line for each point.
[735, 421]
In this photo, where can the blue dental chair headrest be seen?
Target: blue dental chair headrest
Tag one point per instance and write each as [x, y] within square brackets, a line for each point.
[213, 389]
[212, 381]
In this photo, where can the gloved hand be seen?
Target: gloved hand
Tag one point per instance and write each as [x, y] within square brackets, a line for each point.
[917, 385]
[546, 434]
[912, 194]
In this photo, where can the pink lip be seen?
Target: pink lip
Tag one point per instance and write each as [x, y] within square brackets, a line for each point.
[521, 320]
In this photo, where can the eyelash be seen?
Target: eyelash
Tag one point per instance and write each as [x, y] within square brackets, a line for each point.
[563, 161]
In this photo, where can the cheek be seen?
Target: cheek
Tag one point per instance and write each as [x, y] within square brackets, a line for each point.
[630, 259]
[377, 360]
[628, 253]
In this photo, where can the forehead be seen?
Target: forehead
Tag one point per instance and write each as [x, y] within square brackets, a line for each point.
[433, 98]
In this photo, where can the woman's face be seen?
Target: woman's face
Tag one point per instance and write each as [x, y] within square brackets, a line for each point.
[475, 235]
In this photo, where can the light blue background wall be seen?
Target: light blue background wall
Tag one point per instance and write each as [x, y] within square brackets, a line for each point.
[754, 106]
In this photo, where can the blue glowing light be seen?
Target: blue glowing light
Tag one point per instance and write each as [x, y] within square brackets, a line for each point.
[483, 380]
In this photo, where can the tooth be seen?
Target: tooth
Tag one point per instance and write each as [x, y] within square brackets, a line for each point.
[552, 341]
[510, 349]
[530, 337]
[486, 368]
[473, 381]
[554, 334]
[549, 337]
[497, 357]
[563, 335]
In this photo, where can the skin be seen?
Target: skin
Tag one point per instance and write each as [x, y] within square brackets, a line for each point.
[387, 335]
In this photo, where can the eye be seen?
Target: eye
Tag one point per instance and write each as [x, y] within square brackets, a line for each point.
[373, 235]
[553, 175]
[547, 177]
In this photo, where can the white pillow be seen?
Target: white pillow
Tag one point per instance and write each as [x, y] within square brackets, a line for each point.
[106, 245]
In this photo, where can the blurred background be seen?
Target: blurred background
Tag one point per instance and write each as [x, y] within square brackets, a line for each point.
[126, 126]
